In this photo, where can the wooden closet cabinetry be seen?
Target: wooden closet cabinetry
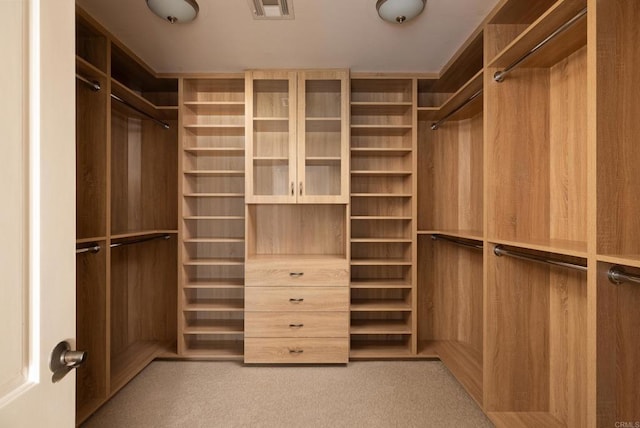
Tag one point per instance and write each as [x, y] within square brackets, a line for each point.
[297, 140]
[126, 215]
[212, 215]
[383, 208]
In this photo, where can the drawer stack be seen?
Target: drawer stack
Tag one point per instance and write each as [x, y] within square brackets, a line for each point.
[296, 310]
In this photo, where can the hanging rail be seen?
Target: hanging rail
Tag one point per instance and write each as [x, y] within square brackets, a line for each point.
[165, 125]
[500, 75]
[499, 250]
[457, 242]
[94, 85]
[437, 124]
[92, 249]
[617, 275]
[138, 241]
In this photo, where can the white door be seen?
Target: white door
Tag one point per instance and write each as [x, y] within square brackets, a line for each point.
[37, 212]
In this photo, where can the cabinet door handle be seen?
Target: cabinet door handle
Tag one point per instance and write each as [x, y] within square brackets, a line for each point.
[296, 325]
[296, 351]
[301, 188]
[293, 187]
[296, 300]
[296, 274]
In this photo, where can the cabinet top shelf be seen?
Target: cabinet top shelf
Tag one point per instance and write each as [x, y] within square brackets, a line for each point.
[560, 47]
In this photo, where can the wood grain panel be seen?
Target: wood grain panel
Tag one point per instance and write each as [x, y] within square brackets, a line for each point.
[517, 140]
[451, 176]
[91, 322]
[568, 149]
[91, 161]
[568, 346]
[516, 359]
[450, 293]
[618, 128]
[158, 185]
[298, 229]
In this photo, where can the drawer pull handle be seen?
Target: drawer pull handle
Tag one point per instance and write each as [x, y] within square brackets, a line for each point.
[296, 300]
[296, 274]
[296, 325]
[296, 351]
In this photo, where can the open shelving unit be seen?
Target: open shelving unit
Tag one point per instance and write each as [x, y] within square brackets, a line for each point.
[382, 213]
[211, 314]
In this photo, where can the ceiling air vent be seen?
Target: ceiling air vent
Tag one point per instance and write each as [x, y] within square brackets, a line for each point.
[271, 9]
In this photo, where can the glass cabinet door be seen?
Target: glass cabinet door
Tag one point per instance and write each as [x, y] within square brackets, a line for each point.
[271, 145]
[323, 137]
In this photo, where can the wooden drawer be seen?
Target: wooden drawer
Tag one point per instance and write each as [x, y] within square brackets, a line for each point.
[296, 351]
[297, 272]
[283, 299]
[296, 324]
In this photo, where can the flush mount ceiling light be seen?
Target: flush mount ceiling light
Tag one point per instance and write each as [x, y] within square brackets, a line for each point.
[179, 11]
[399, 11]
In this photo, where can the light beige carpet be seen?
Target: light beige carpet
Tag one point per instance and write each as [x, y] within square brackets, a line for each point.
[227, 394]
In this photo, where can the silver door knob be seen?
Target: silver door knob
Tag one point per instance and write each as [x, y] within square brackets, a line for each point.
[63, 360]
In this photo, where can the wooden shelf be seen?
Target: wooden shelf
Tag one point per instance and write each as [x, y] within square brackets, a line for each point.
[379, 327]
[567, 248]
[456, 100]
[141, 103]
[214, 262]
[464, 363]
[217, 350]
[214, 217]
[214, 195]
[214, 103]
[127, 364]
[380, 103]
[561, 47]
[215, 173]
[381, 240]
[221, 127]
[380, 218]
[379, 151]
[88, 70]
[373, 350]
[215, 305]
[370, 305]
[623, 259]
[380, 109]
[524, 420]
[380, 262]
[214, 283]
[214, 327]
[142, 234]
[90, 240]
[381, 173]
[212, 240]
[380, 283]
[474, 235]
[382, 127]
[215, 151]
[381, 195]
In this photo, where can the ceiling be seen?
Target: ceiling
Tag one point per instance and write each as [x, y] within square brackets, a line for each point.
[324, 34]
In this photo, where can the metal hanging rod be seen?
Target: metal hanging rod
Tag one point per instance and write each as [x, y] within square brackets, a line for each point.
[500, 251]
[617, 275]
[165, 125]
[500, 75]
[91, 83]
[437, 124]
[457, 242]
[92, 249]
[138, 241]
